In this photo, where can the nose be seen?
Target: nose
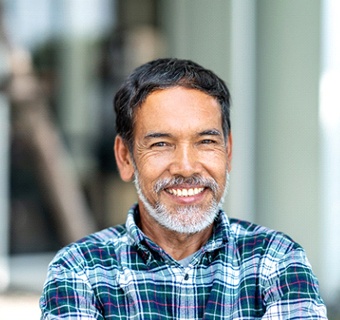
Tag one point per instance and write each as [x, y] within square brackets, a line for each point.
[185, 161]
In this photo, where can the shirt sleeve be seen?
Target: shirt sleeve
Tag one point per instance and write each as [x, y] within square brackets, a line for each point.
[292, 290]
[67, 294]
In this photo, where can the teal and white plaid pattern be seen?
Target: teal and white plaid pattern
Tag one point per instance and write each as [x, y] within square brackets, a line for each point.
[244, 271]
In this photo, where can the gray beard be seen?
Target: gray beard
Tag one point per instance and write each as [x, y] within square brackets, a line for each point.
[187, 219]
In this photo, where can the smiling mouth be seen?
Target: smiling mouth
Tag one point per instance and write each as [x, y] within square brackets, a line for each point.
[185, 192]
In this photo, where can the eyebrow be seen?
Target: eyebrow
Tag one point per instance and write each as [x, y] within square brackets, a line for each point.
[210, 132]
[155, 135]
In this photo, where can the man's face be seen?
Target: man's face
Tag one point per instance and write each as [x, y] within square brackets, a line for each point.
[181, 158]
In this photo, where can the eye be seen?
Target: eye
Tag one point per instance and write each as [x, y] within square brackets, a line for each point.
[159, 144]
[207, 141]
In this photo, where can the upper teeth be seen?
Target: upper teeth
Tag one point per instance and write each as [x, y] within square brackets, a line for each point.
[185, 192]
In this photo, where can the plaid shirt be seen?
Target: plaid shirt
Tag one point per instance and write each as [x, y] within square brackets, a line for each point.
[244, 271]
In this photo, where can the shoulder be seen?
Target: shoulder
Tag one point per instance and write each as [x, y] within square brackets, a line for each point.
[288, 285]
[95, 248]
[273, 256]
[256, 240]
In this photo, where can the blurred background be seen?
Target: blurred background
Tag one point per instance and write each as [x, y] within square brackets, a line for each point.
[61, 61]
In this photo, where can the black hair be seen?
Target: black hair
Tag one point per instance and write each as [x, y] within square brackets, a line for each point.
[161, 74]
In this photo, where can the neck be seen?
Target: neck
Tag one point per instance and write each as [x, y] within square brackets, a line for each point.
[177, 245]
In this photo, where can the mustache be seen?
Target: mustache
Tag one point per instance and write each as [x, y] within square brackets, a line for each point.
[193, 181]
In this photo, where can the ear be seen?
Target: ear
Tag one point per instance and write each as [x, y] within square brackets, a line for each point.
[229, 150]
[123, 159]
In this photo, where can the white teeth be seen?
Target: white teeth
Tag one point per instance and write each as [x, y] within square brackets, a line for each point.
[185, 192]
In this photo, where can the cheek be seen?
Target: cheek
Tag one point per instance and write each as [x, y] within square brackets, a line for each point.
[150, 170]
[216, 162]
[217, 170]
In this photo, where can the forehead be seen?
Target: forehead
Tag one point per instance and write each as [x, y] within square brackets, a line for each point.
[178, 105]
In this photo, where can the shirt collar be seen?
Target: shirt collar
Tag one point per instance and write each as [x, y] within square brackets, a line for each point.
[221, 233]
[220, 236]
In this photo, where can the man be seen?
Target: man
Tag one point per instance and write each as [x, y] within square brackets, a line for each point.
[179, 256]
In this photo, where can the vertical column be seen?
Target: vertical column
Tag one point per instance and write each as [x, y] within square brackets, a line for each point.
[240, 202]
[4, 164]
[330, 149]
[4, 207]
[287, 160]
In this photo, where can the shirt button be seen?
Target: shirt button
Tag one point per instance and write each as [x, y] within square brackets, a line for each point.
[186, 277]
